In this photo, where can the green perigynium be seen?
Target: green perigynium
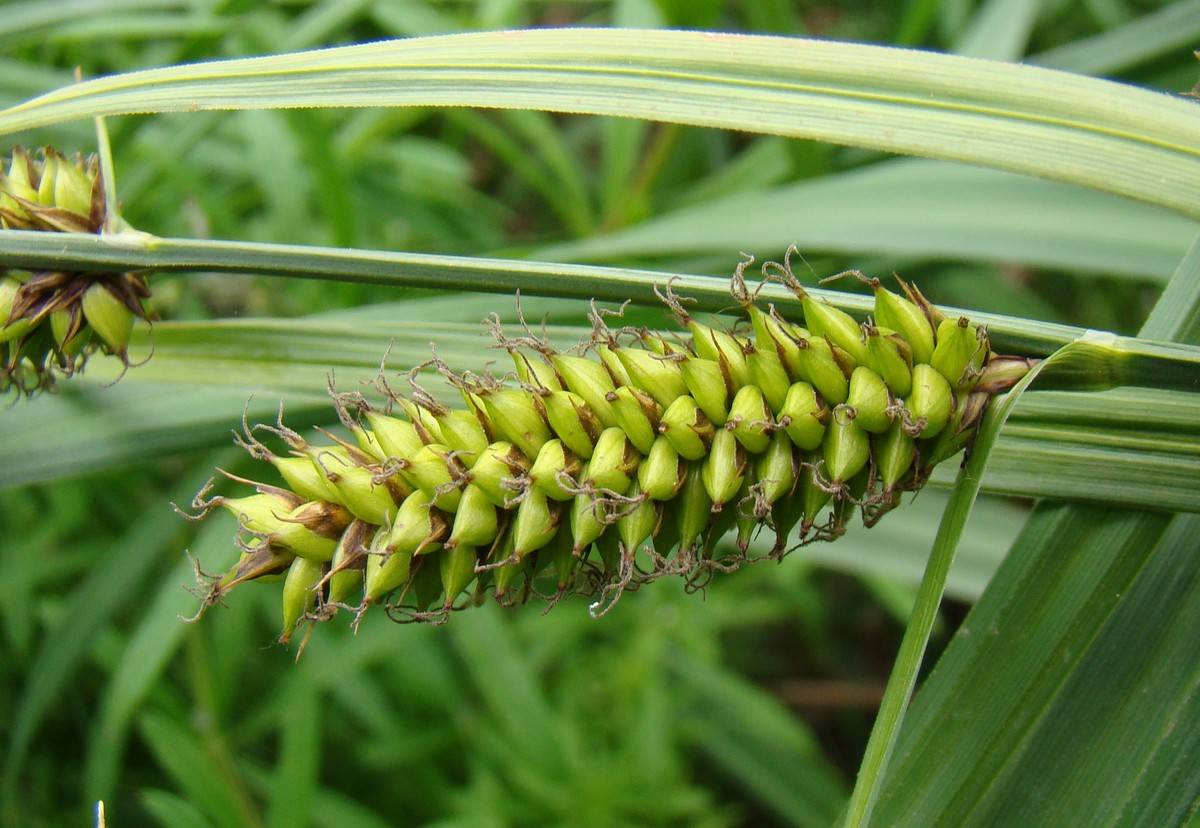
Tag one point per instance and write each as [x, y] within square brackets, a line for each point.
[51, 321]
[598, 471]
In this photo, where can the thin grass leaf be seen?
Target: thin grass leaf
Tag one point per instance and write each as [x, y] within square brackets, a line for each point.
[912, 207]
[1175, 26]
[171, 810]
[297, 770]
[1065, 127]
[999, 30]
[182, 755]
[752, 738]
[903, 678]
[155, 641]
[89, 608]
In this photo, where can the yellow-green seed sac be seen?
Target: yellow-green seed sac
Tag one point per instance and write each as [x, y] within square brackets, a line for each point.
[461, 432]
[498, 465]
[969, 408]
[613, 464]
[571, 418]
[535, 523]
[476, 522]
[588, 520]
[517, 416]
[869, 401]
[846, 448]
[397, 438]
[259, 512]
[613, 364]
[708, 384]
[457, 570]
[813, 497]
[724, 468]
[820, 368]
[638, 415]
[636, 524]
[960, 353]
[907, 319]
[591, 382]
[299, 593]
[11, 328]
[834, 324]
[693, 509]
[438, 472]
[659, 377]
[357, 489]
[777, 469]
[771, 335]
[690, 432]
[534, 372]
[305, 478]
[930, 403]
[423, 421]
[768, 373]
[750, 419]
[311, 530]
[889, 356]
[662, 472]
[555, 471]
[386, 573]
[722, 348]
[346, 570]
[418, 526]
[893, 452]
[109, 317]
[803, 416]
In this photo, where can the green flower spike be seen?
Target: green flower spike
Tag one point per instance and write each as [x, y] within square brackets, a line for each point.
[596, 474]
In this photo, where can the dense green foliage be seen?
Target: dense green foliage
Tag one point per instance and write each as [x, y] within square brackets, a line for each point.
[750, 705]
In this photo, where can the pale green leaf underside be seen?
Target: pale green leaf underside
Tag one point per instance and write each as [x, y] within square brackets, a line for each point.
[1057, 125]
[914, 208]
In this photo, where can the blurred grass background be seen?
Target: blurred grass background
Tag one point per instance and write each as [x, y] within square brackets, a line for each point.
[748, 705]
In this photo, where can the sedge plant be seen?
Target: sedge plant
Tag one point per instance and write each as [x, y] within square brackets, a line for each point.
[815, 404]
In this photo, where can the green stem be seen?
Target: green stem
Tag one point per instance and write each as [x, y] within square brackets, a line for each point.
[28, 249]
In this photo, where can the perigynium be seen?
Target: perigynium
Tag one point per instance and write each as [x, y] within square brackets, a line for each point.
[51, 321]
[627, 459]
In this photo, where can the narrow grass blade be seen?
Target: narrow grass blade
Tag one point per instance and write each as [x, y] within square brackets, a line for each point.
[181, 754]
[105, 592]
[913, 207]
[1066, 127]
[929, 595]
[753, 739]
[155, 641]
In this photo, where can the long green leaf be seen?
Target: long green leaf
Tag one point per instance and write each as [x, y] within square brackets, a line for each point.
[1065, 127]
[1013, 667]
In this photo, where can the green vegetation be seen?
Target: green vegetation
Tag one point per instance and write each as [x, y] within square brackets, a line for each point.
[418, 176]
